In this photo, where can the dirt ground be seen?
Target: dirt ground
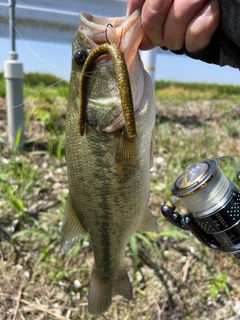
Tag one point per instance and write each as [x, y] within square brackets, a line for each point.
[176, 277]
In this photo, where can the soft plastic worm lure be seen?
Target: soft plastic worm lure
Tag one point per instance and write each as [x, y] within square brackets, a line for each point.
[123, 82]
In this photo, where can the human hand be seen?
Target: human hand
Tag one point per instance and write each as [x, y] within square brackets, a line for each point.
[172, 24]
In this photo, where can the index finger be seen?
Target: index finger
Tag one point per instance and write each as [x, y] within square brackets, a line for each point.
[133, 5]
[154, 14]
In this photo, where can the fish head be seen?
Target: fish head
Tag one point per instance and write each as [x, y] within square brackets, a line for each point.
[102, 91]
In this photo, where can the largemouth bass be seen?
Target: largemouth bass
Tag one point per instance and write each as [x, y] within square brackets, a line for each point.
[108, 166]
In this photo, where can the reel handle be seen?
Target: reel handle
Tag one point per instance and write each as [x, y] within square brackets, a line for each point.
[187, 223]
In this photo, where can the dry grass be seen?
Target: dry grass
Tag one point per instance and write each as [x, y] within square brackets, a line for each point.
[176, 277]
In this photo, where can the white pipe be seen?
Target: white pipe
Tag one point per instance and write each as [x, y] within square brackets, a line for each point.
[148, 58]
[13, 73]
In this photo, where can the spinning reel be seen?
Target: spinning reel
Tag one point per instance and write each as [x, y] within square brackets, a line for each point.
[213, 204]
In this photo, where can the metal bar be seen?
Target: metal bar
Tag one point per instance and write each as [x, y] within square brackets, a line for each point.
[12, 54]
[12, 4]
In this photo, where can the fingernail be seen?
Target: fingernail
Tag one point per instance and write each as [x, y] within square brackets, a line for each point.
[212, 8]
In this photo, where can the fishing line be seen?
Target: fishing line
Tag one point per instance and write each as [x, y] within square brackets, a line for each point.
[46, 88]
[26, 44]
[87, 74]
[205, 198]
[49, 64]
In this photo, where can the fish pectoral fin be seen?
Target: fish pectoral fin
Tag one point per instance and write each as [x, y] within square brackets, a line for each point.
[71, 230]
[149, 223]
[123, 285]
[126, 149]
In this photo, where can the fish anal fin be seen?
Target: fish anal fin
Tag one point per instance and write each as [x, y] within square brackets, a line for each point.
[149, 223]
[71, 230]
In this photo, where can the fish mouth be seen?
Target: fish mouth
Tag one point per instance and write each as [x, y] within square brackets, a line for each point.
[97, 30]
[127, 33]
[94, 28]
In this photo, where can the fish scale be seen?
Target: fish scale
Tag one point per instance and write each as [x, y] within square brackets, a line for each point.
[108, 173]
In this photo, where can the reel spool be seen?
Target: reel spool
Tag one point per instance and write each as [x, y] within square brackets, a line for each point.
[213, 204]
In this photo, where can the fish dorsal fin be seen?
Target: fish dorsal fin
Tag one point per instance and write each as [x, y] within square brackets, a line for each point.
[72, 230]
[149, 223]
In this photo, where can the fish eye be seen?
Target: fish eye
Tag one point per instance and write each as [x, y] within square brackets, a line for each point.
[79, 57]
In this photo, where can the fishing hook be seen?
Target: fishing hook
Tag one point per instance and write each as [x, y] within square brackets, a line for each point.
[110, 25]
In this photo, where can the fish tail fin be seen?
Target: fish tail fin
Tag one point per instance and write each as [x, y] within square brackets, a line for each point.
[99, 294]
[101, 291]
[123, 285]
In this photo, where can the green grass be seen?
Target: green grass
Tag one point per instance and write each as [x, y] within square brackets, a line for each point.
[47, 80]
[193, 122]
[166, 90]
[183, 91]
[2, 86]
[45, 87]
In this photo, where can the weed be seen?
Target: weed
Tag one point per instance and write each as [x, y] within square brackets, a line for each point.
[134, 251]
[183, 91]
[16, 179]
[232, 129]
[33, 191]
[218, 285]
